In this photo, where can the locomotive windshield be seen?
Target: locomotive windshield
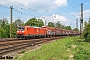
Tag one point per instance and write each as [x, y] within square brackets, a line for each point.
[20, 28]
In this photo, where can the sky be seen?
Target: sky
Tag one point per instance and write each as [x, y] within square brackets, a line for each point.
[65, 11]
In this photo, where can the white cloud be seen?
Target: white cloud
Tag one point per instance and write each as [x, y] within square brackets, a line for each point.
[73, 13]
[76, 14]
[55, 18]
[59, 18]
[35, 4]
[87, 4]
[87, 13]
[60, 2]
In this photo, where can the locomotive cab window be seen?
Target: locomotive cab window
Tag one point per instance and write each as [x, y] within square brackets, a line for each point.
[21, 28]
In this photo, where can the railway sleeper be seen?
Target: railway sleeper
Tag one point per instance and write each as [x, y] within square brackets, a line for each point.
[18, 47]
[15, 48]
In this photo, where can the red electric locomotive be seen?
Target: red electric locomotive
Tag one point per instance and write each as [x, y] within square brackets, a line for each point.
[30, 32]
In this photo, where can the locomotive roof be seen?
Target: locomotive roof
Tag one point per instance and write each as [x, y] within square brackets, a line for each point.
[35, 27]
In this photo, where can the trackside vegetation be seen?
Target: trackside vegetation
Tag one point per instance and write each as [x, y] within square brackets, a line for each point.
[70, 48]
[86, 32]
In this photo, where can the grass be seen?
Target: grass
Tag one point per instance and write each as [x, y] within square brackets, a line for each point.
[63, 49]
[22, 51]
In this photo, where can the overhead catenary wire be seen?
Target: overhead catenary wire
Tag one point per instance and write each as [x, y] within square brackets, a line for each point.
[53, 3]
[3, 13]
[70, 9]
[65, 7]
[19, 11]
[63, 11]
[23, 13]
[4, 6]
[71, 5]
[34, 4]
[12, 3]
[15, 10]
[38, 6]
[28, 8]
[21, 8]
[74, 5]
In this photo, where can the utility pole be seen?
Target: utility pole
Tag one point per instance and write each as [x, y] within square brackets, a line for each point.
[81, 20]
[77, 23]
[11, 7]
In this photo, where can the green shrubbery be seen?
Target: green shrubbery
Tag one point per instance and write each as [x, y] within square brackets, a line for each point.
[81, 54]
[86, 32]
[22, 51]
[81, 50]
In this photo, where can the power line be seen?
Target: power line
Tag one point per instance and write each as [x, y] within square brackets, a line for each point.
[19, 11]
[23, 12]
[34, 4]
[12, 3]
[16, 11]
[64, 6]
[71, 5]
[70, 9]
[67, 9]
[53, 3]
[74, 4]
[38, 6]
[27, 7]
[3, 13]
[4, 6]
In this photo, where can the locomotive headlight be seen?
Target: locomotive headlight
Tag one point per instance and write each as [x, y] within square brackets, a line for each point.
[17, 31]
[22, 31]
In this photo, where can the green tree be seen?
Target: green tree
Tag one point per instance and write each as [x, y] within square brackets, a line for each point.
[2, 33]
[68, 27]
[7, 29]
[50, 24]
[4, 28]
[40, 22]
[58, 25]
[32, 22]
[3, 22]
[75, 29]
[18, 22]
[86, 31]
[35, 22]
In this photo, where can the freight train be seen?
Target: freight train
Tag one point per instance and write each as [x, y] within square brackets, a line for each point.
[25, 32]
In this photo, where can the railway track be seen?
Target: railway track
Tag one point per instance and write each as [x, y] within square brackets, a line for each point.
[8, 46]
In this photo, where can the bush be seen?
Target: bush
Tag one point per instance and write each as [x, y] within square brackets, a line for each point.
[81, 54]
[22, 51]
[87, 37]
[86, 31]
[16, 56]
